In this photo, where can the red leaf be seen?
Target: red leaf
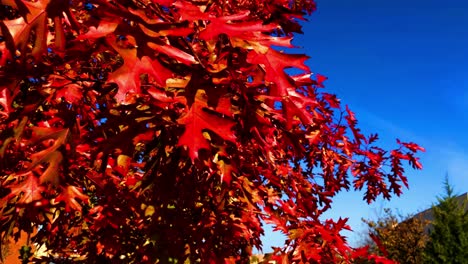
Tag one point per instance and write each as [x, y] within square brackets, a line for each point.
[104, 28]
[174, 52]
[28, 190]
[50, 155]
[35, 20]
[51, 174]
[196, 120]
[298, 105]
[20, 31]
[361, 252]
[5, 102]
[127, 77]
[65, 89]
[242, 30]
[225, 171]
[331, 100]
[69, 196]
[275, 62]
[413, 147]
[234, 25]
[320, 79]
[351, 115]
[123, 164]
[212, 69]
[379, 244]
[284, 88]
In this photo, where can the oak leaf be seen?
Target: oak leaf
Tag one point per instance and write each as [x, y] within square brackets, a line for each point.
[28, 190]
[5, 102]
[51, 155]
[196, 120]
[70, 196]
[127, 77]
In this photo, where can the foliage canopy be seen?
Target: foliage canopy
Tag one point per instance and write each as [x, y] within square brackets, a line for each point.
[163, 130]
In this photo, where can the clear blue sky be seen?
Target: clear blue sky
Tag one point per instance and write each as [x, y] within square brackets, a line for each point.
[402, 66]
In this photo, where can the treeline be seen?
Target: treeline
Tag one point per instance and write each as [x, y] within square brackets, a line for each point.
[439, 235]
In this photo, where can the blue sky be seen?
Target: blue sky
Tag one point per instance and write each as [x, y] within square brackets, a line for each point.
[402, 67]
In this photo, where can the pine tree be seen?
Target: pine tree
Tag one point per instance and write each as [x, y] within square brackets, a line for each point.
[449, 233]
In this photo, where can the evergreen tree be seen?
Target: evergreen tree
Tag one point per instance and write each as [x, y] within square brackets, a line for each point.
[449, 233]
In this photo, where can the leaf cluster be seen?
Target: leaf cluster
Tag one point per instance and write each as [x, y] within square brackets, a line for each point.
[169, 130]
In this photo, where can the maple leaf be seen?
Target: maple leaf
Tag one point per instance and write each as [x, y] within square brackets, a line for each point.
[198, 119]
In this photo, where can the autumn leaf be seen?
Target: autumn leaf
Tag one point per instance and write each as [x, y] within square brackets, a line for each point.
[226, 170]
[127, 77]
[196, 120]
[5, 102]
[51, 155]
[102, 30]
[65, 89]
[173, 52]
[275, 63]
[35, 20]
[282, 88]
[71, 196]
[320, 79]
[20, 31]
[27, 190]
[99, 116]
[123, 164]
[413, 147]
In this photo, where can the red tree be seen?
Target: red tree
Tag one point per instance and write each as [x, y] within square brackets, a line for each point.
[168, 130]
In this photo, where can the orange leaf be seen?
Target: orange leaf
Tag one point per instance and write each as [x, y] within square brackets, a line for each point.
[69, 196]
[50, 155]
[28, 190]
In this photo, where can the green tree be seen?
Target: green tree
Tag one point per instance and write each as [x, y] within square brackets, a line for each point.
[449, 232]
[399, 238]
